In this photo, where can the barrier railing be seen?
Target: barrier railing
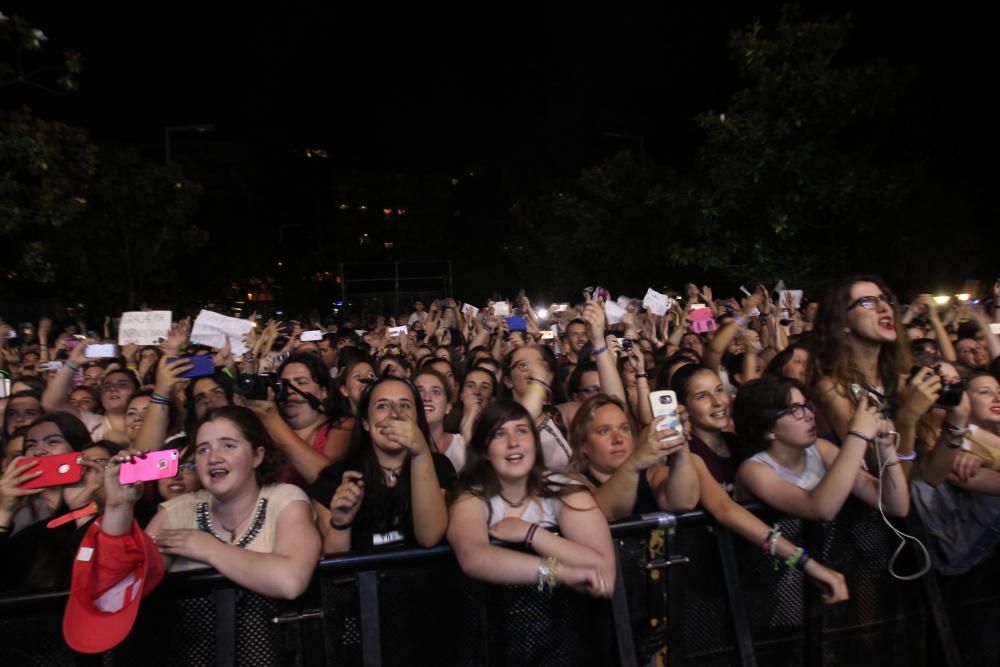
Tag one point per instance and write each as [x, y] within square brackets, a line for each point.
[688, 593]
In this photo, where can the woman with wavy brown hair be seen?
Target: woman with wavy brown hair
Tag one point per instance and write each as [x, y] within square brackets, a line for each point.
[858, 340]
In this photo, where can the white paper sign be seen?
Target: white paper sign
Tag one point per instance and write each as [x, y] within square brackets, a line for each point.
[501, 309]
[144, 327]
[613, 312]
[623, 301]
[469, 310]
[793, 296]
[212, 329]
[656, 303]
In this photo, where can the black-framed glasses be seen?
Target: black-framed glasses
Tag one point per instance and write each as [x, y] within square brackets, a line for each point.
[871, 302]
[797, 410]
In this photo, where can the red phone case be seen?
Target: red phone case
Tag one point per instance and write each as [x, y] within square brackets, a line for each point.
[156, 465]
[58, 470]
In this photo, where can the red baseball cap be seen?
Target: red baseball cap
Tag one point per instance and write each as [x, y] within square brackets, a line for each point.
[111, 574]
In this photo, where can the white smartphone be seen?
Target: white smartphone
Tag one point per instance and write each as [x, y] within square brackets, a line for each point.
[664, 403]
[311, 336]
[398, 331]
[100, 351]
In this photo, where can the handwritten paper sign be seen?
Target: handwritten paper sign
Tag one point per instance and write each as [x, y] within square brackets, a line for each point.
[656, 303]
[501, 309]
[469, 310]
[212, 329]
[144, 327]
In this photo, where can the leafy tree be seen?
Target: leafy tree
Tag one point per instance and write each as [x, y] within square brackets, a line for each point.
[790, 178]
[788, 182]
[131, 243]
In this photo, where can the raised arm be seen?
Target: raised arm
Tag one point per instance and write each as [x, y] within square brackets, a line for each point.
[718, 345]
[430, 514]
[607, 369]
[56, 396]
[823, 502]
[153, 431]
[617, 495]
[643, 411]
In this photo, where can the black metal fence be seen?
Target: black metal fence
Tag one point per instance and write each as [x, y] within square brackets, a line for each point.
[688, 594]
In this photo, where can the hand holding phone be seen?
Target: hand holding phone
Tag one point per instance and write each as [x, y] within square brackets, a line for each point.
[201, 365]
[664, 404]
[56, 470]
[99, 351]
[154, 466]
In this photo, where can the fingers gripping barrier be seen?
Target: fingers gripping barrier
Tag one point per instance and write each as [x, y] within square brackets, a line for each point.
[688, 593]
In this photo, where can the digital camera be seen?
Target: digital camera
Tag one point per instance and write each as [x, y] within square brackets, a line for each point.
[254, 387]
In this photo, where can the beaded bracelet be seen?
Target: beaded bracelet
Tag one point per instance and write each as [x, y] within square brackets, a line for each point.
[772, 546]
[795, 561]
[543, 574]
[553, 570]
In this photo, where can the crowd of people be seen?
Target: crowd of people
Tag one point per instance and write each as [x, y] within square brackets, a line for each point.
[492, 431]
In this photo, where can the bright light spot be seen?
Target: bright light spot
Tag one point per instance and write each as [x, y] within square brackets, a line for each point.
[388, 244]
[363, 207]
[178, 185]
[400, 211]
[941, 299]
[280, 264]
[542, 313]
[344, 207]
[249, 296]
[387, 212]
[963, 297]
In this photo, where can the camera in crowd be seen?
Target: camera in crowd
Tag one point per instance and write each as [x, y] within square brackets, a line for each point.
[254, 387]
[951, 392]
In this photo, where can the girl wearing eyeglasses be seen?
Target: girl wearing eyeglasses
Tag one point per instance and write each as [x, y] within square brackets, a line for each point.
[799, 474]
[858, 339]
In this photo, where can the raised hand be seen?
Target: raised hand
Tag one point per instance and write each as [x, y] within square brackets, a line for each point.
[12, 479]
[654, 446]
[347, 499]
[405, 433]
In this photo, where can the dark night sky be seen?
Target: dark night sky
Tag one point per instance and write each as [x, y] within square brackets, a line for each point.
[435, 89]
[524, 96]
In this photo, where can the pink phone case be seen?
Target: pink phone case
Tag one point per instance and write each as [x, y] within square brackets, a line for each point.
[702, 320]
[156, 465]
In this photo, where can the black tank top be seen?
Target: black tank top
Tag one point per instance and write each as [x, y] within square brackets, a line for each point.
[645, 500]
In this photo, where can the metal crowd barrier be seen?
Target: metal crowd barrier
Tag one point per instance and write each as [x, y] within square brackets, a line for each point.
[688, 593]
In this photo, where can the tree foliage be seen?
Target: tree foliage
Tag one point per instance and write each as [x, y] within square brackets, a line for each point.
[788, 181]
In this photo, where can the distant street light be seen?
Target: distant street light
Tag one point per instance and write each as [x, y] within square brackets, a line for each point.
[203, 127]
